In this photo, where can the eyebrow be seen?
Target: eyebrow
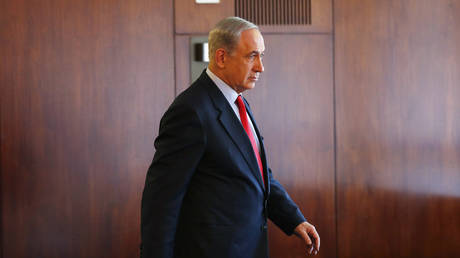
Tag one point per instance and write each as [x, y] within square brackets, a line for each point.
[257, 52]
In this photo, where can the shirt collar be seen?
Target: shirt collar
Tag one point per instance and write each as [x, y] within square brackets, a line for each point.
[229, 93]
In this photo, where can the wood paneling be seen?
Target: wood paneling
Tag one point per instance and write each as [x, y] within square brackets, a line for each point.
[398, 123]
[195, 18]
[293, 105]
[83, 86]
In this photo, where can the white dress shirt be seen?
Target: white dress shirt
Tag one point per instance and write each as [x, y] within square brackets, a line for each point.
[231, 95]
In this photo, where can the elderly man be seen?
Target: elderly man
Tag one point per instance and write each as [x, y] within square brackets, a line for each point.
[209, 190]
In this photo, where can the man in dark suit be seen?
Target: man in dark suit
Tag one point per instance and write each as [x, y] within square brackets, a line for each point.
[209, 191]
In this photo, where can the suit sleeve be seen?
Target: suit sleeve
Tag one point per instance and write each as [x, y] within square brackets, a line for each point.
[281, 208]
[179, 148]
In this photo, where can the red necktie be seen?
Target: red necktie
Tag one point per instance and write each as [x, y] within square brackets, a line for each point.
[247, 128]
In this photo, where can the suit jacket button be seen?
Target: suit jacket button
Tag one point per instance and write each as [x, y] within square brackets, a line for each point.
[263, 227]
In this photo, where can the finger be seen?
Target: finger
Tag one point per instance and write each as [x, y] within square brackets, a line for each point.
[317, 241]
[304, 235]
[307, 239]
[310, 250]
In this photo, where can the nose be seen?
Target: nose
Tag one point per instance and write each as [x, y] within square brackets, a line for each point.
[258, 66]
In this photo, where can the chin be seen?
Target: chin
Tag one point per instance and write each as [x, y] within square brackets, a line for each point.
[250, 85]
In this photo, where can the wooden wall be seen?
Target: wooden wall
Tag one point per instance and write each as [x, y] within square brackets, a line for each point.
[397, 84]
[359, 112]
[83, 86]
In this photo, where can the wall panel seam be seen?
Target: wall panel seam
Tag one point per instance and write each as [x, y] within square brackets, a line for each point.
[334, 110]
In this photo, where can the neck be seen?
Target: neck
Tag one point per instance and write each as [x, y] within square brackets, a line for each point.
[221, 74]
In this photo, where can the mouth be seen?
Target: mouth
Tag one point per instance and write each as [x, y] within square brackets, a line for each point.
[254, 78]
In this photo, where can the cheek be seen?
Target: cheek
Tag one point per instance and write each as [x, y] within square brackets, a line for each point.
[247, 71]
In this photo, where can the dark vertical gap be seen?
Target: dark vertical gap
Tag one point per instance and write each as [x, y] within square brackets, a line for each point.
[1, 180]
[174, 45]
[284, 9]
[296, 9]
[237, 8]
[240, 8]
[272, 11]
[309, 11]
[264, 4]
[242, 11]
[307, 7]
[253, 10]
[256, 4]
[267, 10]
[302, 7]
[246, 9]
[290, 12]
[260, 11]
[275, 12]
[334, 103]
[281, 2]
[280, 11]
[300, 10]
[284, 12]
[249, 10]
[264, 13]
[267, 15]
[287, 7]
[299, 17]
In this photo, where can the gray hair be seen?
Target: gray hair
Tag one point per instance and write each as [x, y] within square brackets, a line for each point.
[226, 34]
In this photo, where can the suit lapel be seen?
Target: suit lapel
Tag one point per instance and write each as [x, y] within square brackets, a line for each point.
[232, 126]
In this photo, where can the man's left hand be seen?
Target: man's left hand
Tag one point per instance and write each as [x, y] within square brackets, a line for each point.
[307, 233]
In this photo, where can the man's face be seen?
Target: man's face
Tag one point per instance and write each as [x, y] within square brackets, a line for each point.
[244, 65]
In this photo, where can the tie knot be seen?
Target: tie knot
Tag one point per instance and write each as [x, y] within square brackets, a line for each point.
[240, 103]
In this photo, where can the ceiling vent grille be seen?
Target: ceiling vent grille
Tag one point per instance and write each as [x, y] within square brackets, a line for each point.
[275, 12]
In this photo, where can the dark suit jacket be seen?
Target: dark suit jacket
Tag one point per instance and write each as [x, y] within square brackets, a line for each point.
[204, 196]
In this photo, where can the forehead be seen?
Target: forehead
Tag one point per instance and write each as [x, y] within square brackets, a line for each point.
[251, 40]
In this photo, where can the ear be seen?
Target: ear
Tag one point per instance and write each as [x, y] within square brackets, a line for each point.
[221, 57]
